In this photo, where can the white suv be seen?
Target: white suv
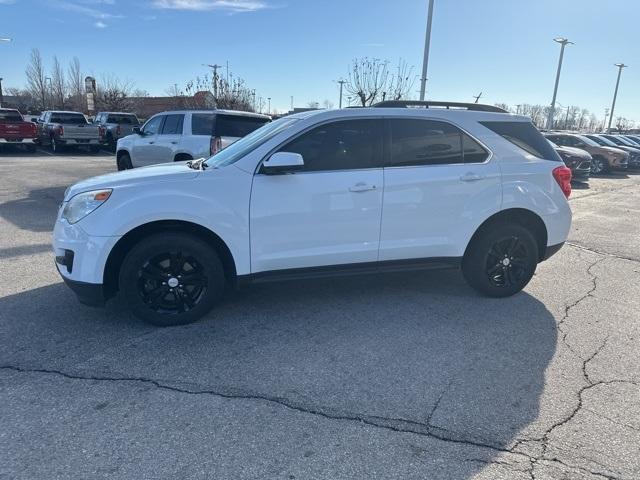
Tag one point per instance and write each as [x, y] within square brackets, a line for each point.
[184, 135]
[327, 192]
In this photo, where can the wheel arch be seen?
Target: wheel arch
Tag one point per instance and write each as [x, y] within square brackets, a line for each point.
[182, 156]
[521, 216]
[132, 237]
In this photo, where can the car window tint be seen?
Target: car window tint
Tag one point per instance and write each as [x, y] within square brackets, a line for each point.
[122, 119]
[68, 118]
[525, 136]
[237, 125]
[153, 125]
[10, 116]
[172, 125]
[202, 123]
[425, 142]
[347, 144]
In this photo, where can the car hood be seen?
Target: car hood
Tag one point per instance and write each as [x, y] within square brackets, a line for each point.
[616, 150]
[165, 172]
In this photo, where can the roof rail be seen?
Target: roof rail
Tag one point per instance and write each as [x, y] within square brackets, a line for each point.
[477, 107]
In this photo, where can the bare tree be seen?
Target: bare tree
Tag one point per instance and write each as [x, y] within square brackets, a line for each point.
[76, 85]
[113, 94]
[36, 78]
[220, 92]
[22, 99]
[402, 81]
[504, 106]
[58, 84]
[367, 80]
[623, 124]
[327, 104]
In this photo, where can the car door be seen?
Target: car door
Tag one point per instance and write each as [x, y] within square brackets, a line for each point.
[144, 151]
[438, 182]
[329, 212]
[168, 138]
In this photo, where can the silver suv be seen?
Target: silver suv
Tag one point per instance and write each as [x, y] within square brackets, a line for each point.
[184, 135]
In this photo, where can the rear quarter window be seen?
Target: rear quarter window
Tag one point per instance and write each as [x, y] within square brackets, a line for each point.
[237, 126]
[525, 136]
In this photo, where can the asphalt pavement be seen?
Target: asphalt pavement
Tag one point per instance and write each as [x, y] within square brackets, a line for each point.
[397, 376]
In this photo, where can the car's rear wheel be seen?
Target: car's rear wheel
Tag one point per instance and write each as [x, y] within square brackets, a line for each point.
[171, 279]
[598, 165]
[501, 260]
[124, 162]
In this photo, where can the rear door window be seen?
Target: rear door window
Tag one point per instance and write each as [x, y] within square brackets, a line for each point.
[525, 136]
[202, 124]
[417, 142]
[237, 125]
[172, 125]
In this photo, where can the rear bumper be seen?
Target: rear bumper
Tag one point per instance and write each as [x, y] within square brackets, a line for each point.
[91, 294]
[79, 141]
[18, 141]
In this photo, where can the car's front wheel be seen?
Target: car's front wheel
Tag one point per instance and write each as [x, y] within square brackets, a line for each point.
[171, 279]
[598, 165]
[501, 260]
[124, 162]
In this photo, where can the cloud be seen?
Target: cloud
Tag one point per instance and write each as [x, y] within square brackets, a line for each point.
[202, 5]
[100, 24]
[85, 10]
[7, 2]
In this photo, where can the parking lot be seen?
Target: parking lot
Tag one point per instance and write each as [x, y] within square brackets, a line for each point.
[396, 376]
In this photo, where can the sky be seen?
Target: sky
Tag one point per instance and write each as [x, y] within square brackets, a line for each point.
[300, 48]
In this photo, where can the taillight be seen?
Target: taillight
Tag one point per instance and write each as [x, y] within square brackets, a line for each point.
[215, 146]
[34, 129]
[563, 177]
[60, 130]
[101, 131]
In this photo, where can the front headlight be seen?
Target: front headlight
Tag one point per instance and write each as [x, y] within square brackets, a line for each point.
[82, 204]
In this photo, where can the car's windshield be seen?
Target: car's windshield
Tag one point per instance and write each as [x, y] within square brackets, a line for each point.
[7, 116]
[587, 140]
[605, 142]
[68, 118]
[242, 147]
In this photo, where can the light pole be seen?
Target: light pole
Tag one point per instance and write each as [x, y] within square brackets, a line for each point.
[563, 43]
[50, 90]
[1, 95]
[425, 61]
[341, 82]
[615, 93]
[269, 107]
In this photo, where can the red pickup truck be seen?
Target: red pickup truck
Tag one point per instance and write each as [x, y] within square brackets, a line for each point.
[14, 130]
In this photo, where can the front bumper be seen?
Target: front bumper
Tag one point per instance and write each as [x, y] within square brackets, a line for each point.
[91, 294]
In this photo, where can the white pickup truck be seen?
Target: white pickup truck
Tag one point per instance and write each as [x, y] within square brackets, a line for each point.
[184, 135]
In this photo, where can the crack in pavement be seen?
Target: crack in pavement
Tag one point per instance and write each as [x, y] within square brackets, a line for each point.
[600, 252]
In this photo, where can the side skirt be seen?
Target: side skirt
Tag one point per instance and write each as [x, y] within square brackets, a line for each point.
[351, 269]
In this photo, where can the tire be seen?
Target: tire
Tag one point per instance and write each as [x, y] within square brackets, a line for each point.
[501, 260]
[152, 279]
[124, 162]
[599, 165]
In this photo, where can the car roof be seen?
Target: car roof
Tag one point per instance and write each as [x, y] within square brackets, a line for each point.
[219, 111]
[443, 113]
[64, 111]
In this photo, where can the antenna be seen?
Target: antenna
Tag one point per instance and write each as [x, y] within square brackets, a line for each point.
[477, 97]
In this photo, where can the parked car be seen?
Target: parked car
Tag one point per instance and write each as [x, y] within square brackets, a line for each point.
[319, 193]
[115, 125]
[15, 130]
[184, 135]
[634, 138]
[604, 158]
[578, 160]
[623, 144]
[59, 129]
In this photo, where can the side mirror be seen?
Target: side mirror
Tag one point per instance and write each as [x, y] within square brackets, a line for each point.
[282, 162]
[137, 130]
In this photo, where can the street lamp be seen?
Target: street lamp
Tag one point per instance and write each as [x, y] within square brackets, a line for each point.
[563, 43]
[425, 61]
[615, 93]
[269, 107]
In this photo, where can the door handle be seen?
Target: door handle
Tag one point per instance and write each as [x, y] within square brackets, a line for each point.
[362, 187]
[151, 143]
[472, 177]
[174, 143]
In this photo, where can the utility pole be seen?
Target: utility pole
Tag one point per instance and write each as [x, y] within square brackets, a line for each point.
[1, 94]
[269, 107]
[606, 114]
[215, 68]
[253, 95]
[518, 109]
[615, 94]
[50, 89]
[425, 61]
[563, 42]
[292, 103]
[566, 119]
[341, 82]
